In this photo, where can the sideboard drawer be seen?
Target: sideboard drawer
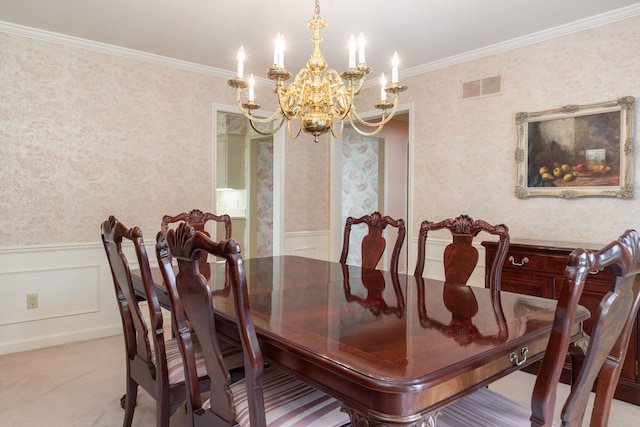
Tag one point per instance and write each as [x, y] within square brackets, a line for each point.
[524, 262]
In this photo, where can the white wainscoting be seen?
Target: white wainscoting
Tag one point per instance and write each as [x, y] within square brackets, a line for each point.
[76, 300]
[310, 244]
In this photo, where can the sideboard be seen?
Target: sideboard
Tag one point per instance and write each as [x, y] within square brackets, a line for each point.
[537, 268]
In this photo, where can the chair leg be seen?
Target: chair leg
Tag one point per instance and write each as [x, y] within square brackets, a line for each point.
[128, 402]
[162, 414]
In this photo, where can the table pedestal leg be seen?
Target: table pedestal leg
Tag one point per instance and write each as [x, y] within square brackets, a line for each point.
[361, 419]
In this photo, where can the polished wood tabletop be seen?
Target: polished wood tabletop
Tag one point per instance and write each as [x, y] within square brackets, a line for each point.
[392, 347]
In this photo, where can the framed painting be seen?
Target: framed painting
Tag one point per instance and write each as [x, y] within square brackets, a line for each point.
[576, 151]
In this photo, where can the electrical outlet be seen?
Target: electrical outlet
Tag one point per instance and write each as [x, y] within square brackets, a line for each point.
[32, 301]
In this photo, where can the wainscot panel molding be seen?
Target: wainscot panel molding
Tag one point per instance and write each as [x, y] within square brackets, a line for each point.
[310, 244]
[76, 300]
[75, 295]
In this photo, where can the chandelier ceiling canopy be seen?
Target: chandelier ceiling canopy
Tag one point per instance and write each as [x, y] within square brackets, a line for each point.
[319, 98]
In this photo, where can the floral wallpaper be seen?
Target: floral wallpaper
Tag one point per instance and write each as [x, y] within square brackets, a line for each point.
[360, 186]
[264, 199]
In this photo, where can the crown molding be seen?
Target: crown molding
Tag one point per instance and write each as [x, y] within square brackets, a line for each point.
[563, 30]
[63, 39]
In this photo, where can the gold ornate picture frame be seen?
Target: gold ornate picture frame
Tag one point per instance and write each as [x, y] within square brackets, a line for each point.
[576, 151]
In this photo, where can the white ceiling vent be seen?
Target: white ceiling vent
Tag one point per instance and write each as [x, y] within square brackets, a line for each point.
[482, 87]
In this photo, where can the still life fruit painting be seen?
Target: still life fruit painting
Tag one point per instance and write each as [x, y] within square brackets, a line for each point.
[576, 151]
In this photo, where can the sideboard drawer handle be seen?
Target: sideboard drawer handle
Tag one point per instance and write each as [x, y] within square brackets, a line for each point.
[513, 357]
[519, 264]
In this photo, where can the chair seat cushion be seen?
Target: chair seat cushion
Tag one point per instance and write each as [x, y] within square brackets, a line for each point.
[289, 402]
[485, 408]
[232, 354]
[174, 360]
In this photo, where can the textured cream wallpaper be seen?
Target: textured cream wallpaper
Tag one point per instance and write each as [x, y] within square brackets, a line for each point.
[307, 184]
[464, 150]
[85, 134]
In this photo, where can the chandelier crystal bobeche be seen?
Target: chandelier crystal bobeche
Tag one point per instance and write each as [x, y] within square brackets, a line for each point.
[318, 97]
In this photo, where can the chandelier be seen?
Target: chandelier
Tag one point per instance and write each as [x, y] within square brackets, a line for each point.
[318, 98]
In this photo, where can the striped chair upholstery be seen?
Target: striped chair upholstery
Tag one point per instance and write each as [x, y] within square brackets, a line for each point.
[175, 368]
[289, 402]
[606, 350]
[265, 396]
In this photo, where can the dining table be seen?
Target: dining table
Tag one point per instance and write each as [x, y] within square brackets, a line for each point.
[393, 348]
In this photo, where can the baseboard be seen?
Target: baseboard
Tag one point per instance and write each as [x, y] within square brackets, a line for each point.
[34, 343]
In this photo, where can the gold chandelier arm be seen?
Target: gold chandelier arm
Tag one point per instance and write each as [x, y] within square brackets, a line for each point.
[250, 116]
[266, 133]
[383, 120]
[340, 96]
[338, 134]
[248, 112]
[291, 134]
[355, 87]
[362, 132]
[289, 98]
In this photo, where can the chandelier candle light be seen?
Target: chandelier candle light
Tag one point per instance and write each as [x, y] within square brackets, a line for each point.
[318, 96]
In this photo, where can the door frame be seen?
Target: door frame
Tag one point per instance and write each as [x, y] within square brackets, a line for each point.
[336, 227]
[278, 175]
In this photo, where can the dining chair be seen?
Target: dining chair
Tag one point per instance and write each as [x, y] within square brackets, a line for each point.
[460, 256]
[265, 396]
[602, 360]
[152, 361]
[373, 243]
[198, 219]
[231, 352]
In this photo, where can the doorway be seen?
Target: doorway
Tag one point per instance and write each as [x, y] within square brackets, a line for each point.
[372, 173]
[247, 182]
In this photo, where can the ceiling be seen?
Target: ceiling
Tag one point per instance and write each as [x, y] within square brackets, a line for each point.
[209, 32]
